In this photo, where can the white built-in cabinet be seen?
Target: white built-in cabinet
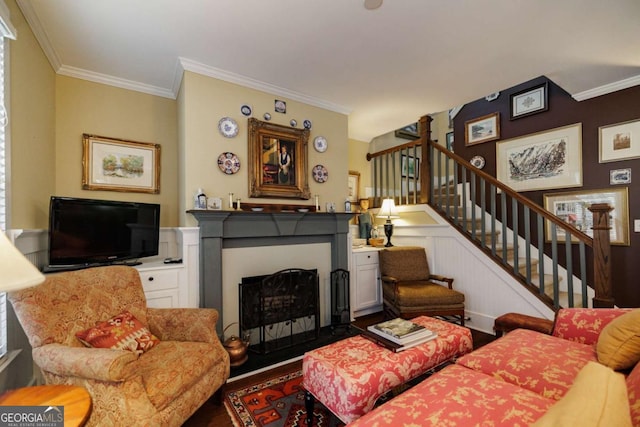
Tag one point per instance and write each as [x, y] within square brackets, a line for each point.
[173, 285]
[366, 287]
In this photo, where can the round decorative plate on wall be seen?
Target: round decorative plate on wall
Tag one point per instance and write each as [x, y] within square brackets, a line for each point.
[246, 110]
[320, 144]
[228, 127]
[228, 163]
[293, 123]
[306, 123]
[477, 161]
[320, 173]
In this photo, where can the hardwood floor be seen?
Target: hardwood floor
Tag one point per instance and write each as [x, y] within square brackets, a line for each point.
[213, 414]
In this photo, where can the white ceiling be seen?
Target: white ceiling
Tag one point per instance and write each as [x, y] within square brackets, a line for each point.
[384, 68]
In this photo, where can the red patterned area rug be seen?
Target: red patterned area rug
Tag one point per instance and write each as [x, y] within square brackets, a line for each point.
[276, 402]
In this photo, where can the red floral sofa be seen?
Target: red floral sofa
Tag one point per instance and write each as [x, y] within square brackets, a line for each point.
[584, 374]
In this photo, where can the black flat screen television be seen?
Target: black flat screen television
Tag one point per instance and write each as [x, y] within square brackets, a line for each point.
[89, 232]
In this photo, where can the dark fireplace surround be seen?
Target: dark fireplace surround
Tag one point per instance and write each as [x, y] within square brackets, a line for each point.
[239, 229]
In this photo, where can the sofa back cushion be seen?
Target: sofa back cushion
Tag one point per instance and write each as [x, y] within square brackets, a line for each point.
[597, 398]
[618, 346]
[69, 302]
[633, 390]
[584, 325]
[405, 263]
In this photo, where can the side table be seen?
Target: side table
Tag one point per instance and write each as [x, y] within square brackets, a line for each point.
[76, 400]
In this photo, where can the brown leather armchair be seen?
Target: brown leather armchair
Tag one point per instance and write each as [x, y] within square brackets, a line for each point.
[161, 387]
[409, 289]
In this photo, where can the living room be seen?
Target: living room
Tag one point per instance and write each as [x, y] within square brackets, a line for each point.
[50, 111]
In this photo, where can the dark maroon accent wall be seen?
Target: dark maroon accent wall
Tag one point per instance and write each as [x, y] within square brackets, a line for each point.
[563, 110]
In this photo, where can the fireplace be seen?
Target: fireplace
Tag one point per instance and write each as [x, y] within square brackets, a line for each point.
[283, 308]
[227, 231]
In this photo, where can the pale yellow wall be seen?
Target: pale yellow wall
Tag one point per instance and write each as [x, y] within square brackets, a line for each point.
[358, 162]
[203, 101]
[31, 128]
[93, 108]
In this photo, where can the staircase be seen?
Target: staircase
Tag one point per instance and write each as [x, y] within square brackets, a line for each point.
[488, 237]
[552, 259]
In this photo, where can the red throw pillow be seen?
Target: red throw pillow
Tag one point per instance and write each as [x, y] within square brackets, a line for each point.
[121, 332]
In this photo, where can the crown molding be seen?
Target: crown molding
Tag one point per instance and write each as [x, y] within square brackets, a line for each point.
[41, 35]
[217, 73]
[606, 89]
[115, 81]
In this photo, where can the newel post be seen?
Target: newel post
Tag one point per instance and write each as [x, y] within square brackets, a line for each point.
[425, 165]
[602, 255]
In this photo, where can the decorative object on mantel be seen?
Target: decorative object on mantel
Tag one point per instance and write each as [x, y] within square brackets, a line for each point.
[200, 199]
[306, 124]
[278, 165]
[320, 173]
[228, 163]
[320, 144]
[277, 207]
[388, 211]
[246, 110]
[214, 203]
[267, 116]
[477, 161]
[228, 127]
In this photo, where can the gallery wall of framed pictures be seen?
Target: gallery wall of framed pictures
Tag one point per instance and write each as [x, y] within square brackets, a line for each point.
[601, 155]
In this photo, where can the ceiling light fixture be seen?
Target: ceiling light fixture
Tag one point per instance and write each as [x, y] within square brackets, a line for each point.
[372, 4]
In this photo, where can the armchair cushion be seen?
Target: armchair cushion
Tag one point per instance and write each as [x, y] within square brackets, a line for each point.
[421, 293]
[618, 346]
[121, 332]
[404, 263]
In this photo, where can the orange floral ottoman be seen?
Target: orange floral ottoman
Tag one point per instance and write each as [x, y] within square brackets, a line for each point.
[350, 375]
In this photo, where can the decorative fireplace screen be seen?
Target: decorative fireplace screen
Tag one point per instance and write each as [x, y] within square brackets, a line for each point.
[283, 307]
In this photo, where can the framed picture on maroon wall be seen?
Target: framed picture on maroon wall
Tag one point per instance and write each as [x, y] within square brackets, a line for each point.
[529, 101]
[482, 129]
[542, 160]
[620, 141]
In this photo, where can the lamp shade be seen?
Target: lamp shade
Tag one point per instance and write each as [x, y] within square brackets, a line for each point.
[388, 209]
[16, 272]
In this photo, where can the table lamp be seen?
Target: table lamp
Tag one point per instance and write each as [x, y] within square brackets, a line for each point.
[388, 211]
[16, 272]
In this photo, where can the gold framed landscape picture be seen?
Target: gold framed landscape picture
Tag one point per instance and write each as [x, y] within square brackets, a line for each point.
[120, 165]
[573, 207]
[482, 129]
[620, 141]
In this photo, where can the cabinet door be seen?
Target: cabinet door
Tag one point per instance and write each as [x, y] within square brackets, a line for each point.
[367, 292]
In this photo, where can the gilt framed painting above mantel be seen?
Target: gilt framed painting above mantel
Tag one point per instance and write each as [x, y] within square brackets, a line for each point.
[278, 165]
[543, 160]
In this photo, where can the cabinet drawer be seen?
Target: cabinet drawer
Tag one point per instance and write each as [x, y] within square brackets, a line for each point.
[365, 258]
[159, 279]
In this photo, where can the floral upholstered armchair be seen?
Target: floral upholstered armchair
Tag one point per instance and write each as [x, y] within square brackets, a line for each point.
[141, 366]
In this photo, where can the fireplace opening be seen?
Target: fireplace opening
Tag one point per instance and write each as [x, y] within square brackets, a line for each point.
[283, 308]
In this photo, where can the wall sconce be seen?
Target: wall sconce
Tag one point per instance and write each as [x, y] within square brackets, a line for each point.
[388, 211]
